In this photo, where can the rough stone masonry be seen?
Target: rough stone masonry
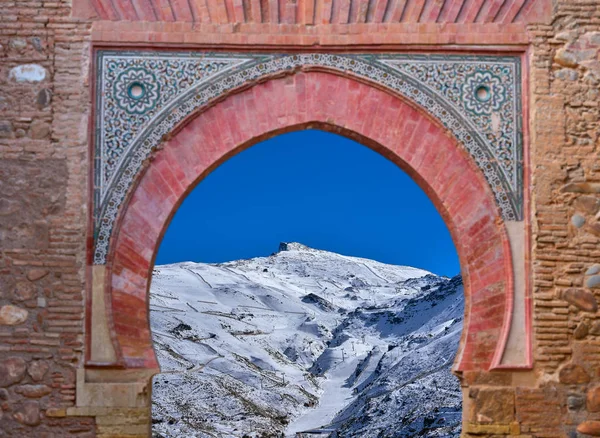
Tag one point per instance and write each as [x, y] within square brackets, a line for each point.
[51, 382]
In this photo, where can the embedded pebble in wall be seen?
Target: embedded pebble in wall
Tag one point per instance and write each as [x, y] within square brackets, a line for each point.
[36, 274]
[39, 129]
[12, 315]
[575, 402]
[44, 97]
[593, 270]
[593, 281]
[578, 220]
[595, 330]
[28, 413]
[573, 374]
[567, 35]
[27, 73]
[33, 391]
[37, 44]
[582, 299]
[565, 58]
[587, 204]
[583, 187]
[581, 331]
[5, 129]
[593, 399]
[567, 74]
[590, 427]
[24, 291]
[12, 370]
[17, 44]
[37, 370]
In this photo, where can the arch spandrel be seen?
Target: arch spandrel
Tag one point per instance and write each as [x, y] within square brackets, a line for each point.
[412, 139]
[177, 85]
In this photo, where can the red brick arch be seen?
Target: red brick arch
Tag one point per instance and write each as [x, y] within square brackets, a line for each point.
[376, 118]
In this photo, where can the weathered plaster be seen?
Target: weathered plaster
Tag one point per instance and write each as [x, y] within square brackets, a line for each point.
[518, 346]
[101, 348]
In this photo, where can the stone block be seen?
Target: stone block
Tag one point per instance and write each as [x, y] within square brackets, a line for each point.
[474, 378]
[494, 406]
[515, 428]
[128, 430]
[112, 395]
[486, 429]
[56, 412]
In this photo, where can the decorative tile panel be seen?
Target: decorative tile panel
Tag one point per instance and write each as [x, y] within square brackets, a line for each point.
[134, 90]
[484, 91]
[141, 96]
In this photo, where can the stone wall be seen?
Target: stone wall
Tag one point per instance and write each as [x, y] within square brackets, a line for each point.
[565, 162]
[44, 165]
[44, 105]
[560, 397]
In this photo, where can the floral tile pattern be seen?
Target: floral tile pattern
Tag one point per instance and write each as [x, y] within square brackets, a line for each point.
[486, 92]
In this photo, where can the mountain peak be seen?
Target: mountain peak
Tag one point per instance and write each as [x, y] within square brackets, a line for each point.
[292, 246]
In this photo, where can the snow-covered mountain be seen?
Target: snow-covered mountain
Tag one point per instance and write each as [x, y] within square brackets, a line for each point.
[301, 340]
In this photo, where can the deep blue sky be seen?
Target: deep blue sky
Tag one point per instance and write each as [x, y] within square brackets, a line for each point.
[313, 187]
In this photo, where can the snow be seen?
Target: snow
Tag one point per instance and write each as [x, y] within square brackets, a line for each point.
[334, 397]
[304, 339]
